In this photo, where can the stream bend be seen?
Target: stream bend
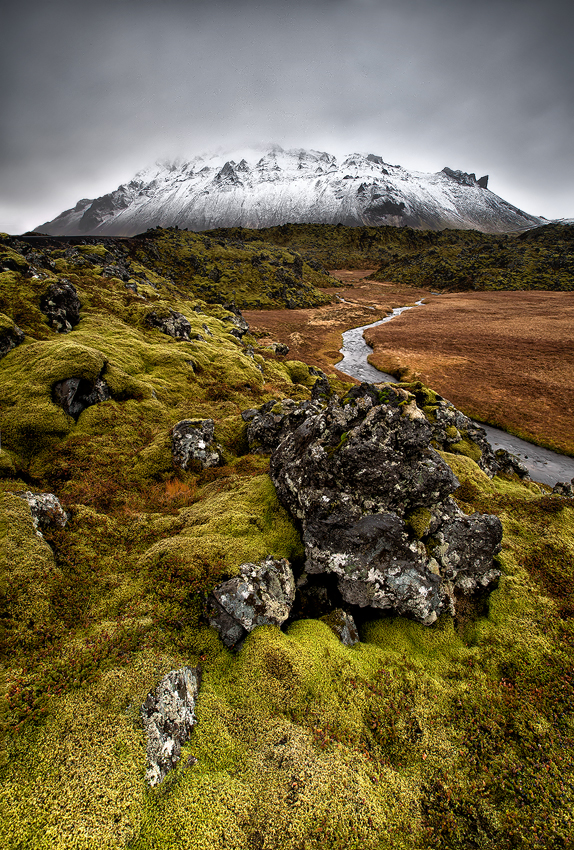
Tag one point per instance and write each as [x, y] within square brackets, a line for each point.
[543, 465]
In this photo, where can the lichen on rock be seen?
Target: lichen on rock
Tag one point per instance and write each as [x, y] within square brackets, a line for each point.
[168, 716]
[46, 510]
[262, 594]
[193, 444]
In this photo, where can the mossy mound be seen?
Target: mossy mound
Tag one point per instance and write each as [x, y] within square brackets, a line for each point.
[454, 736]
[215, 270]
[540, 259]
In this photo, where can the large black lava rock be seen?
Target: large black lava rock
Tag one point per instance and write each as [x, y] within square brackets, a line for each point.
[373, 499]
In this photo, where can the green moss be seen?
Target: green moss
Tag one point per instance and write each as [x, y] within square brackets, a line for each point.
[419, 521]
[467, 448]
[93, 250]
[27, 574]
[243, 523]
[299, 373]
[451, 736]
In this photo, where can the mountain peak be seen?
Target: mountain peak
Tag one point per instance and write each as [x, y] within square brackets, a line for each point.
[270, 185]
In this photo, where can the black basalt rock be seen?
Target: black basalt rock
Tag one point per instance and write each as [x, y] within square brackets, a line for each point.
[172, 324]
[193, 444]
[262, 594]
[10, 335]
[372, 497]
[76, 394]
[61, 305]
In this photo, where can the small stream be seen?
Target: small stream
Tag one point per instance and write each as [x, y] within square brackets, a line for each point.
[543, 465]
[355, 351]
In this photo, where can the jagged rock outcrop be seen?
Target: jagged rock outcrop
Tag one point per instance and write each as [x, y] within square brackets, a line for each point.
[46, 510]
[262, 594]
[76, 394]
[278, 348]
[168, 716]
[193, 444]
[61, 305]
[464, 179]
[10, 335]
[173, 324]
[452, 431]
[240, 325]
[373, 500]
[266, 426]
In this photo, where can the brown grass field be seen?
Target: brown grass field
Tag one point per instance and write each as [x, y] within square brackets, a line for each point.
[506, 358]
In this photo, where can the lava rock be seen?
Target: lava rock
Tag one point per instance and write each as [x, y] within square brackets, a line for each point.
[510, 464]
[168, 718]
[76, 394]
[47, 512]
[451, 427]
[240, 325]
[10, 335]
[262, 594]
[343, 625]
[273, 420]
[121, 271]
[378, 565]
[360, 476]
[278, 348]
[174, 324]
[464, 546]
[193, 444]
[321, 388]
[61, 305]
[562, 488]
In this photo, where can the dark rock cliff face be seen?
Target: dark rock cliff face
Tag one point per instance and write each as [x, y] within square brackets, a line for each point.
[373, 500]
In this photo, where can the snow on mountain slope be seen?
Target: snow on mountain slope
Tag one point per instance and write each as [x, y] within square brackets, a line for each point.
[294, 186]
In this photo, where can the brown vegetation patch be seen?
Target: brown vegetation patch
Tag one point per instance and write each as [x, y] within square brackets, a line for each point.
[314, 334]
[506, 358]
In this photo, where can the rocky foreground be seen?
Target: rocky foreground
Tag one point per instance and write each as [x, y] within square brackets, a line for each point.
[246, 605]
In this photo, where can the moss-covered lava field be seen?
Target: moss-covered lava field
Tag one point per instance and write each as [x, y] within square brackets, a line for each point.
[453, 736]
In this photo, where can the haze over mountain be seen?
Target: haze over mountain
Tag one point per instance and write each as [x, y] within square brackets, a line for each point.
[264, 189]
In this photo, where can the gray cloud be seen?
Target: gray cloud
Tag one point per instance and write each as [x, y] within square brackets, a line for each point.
[92, 92]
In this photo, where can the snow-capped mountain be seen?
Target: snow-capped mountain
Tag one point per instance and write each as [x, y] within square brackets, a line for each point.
[294, 186]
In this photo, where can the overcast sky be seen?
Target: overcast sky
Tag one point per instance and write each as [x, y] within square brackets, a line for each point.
[93, 91]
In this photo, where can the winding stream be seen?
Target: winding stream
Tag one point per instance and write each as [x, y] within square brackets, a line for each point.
[543, 465]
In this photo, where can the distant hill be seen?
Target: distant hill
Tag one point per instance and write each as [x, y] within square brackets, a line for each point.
[539, 258]
[293, 186]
